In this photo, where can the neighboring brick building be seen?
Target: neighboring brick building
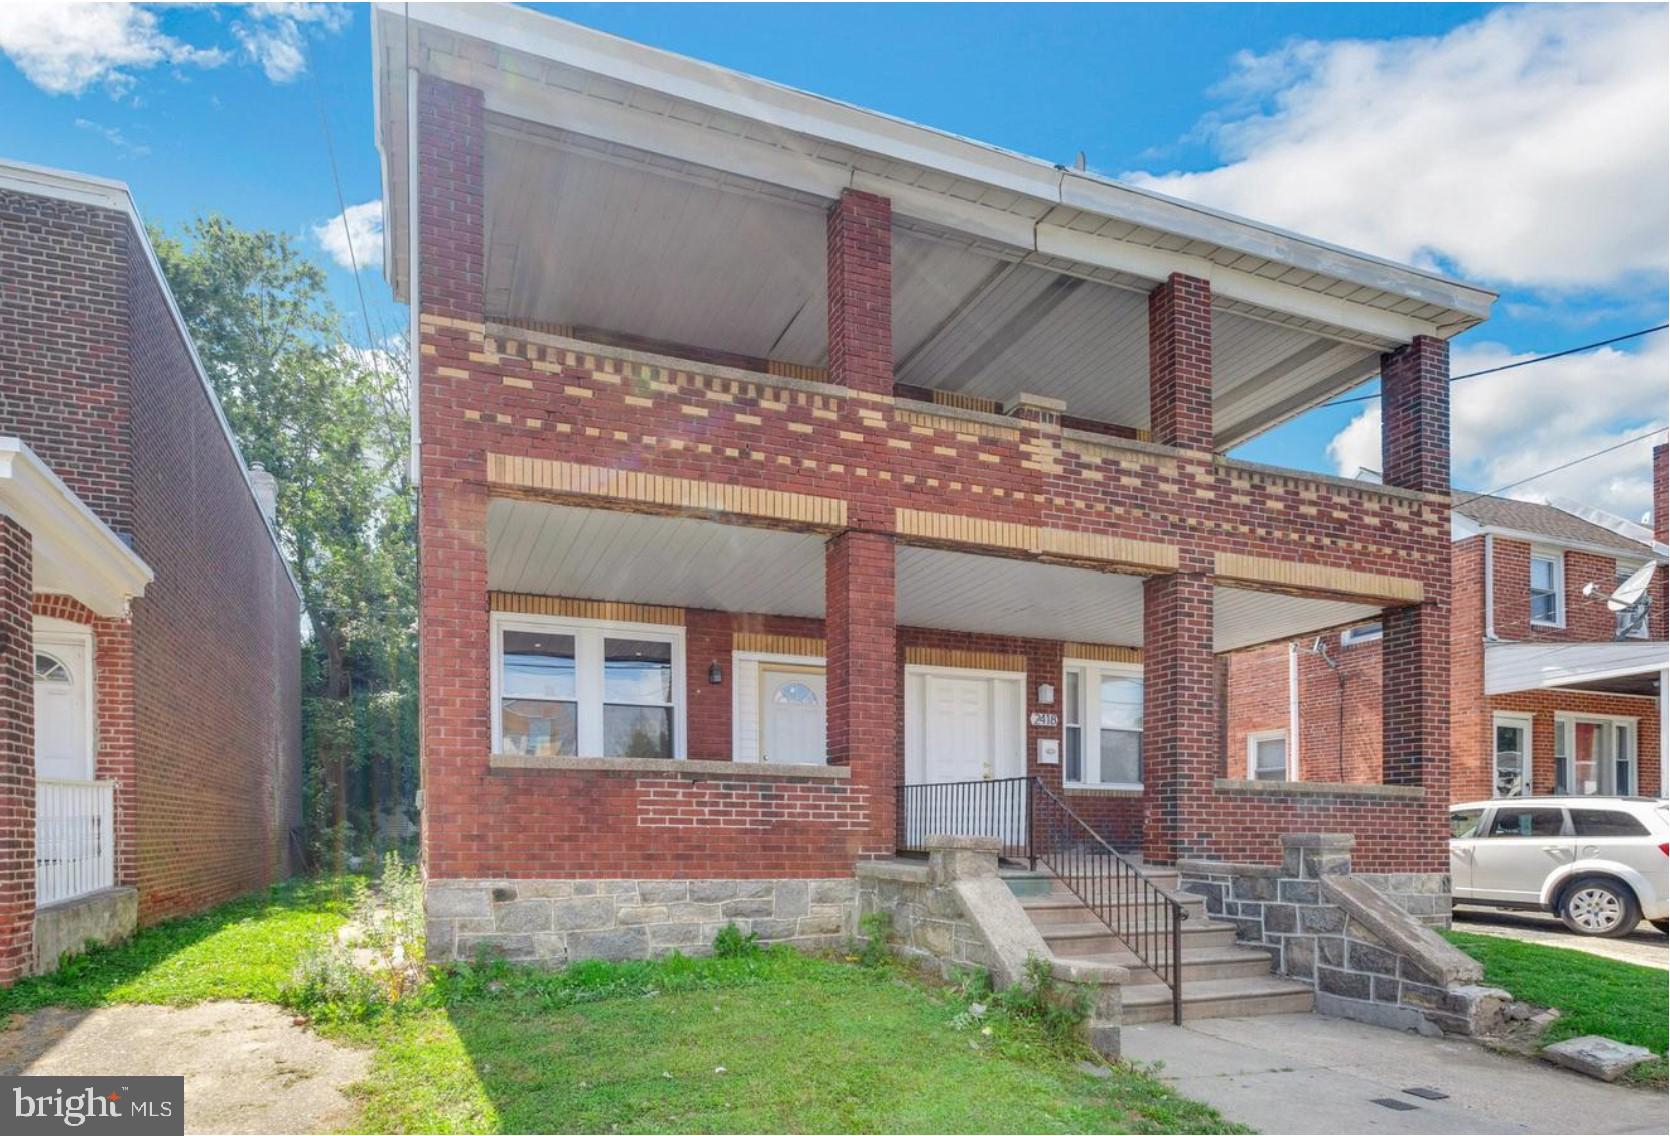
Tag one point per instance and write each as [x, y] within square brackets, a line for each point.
[1551, 691]
[149, 661]
[774, 454]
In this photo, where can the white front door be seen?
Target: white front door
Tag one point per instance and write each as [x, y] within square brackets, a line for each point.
[63, 701]
[792, 715]
[957, 736]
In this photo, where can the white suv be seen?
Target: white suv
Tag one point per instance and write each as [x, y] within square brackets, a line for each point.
[1599, 863]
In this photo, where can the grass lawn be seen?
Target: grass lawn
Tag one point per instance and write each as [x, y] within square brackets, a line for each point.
[1619, 1000]
[805, 1044]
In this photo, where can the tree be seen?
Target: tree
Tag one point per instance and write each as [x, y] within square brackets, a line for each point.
[330, 422]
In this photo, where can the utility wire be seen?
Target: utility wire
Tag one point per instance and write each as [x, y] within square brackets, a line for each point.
[1511, 366]
[1558, 468]
[347, 229]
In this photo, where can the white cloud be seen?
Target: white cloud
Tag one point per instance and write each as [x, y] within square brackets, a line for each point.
[1509, 426]
[113, 136]
[360, 224]
[274, 35]
[68, 48]
[1529, 146]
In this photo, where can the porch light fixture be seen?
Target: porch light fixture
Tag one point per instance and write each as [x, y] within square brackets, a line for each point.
[1046, 694]
[714, 674]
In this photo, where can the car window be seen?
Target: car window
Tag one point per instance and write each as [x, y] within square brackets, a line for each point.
[1526, 822]
[1605, 822]
[1465, 823]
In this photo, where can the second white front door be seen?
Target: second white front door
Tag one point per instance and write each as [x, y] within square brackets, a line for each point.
[63, 704]
[792, 715]
[963, 726]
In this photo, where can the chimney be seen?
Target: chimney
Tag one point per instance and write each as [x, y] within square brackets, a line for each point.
[266, 491]
[1661, 493]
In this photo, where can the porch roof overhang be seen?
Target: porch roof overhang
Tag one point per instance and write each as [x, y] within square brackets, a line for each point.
[598, 554]
[1611, 668]
[632, 191]
[74, 552]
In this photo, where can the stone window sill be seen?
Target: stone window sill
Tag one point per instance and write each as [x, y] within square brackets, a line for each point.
[1319, 789]
[663, 767]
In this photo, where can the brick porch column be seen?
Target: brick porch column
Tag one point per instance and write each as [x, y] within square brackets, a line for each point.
[17, 751]
[1415, 649]
[861, 292]
[1180, 739]
[861, 660]
[1180, 363]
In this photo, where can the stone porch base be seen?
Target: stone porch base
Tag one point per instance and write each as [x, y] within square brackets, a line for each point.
[560, 921]
[106, 916]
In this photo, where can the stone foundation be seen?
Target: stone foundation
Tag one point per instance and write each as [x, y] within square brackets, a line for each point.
[64, 929]
[1364, 942]
[560, 921]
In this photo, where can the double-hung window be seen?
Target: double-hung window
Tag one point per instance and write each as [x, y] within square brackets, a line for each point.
[585, 688]
[1102, 725]
[1594, 755]
[1547, 588]
[1267, 756]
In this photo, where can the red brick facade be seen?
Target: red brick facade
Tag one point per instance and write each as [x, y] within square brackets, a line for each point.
[197, 690]
[518, 412]
[17, 751]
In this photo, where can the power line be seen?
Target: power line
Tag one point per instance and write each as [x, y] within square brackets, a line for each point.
[1511, 366]
[1558, 468]
[347, 229]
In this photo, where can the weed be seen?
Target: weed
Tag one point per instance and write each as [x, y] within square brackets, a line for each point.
[731, 943]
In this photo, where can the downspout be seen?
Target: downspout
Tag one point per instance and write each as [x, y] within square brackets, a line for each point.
[1489, 587]
[1292, 711]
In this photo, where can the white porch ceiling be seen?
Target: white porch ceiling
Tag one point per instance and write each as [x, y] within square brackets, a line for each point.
[683, 562]
[600, 237]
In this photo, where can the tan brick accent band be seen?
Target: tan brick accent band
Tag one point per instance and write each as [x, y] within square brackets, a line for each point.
[1288, 576]
[523, 603]
[966, 660]
[1036, 539]
[761, 643]
[679, 493]
[1101, 653]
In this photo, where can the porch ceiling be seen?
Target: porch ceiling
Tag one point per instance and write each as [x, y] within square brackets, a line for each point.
[596, 237]
[683, 562]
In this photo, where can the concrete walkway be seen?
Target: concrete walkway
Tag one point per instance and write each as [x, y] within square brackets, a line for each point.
[1644, 946]
[1304, 1073]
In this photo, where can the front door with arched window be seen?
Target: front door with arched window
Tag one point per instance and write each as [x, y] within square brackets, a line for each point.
[63, 704]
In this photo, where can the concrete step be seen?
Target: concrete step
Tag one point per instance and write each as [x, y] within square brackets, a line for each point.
[1065, 907]
[1218, 998]
[1075, 940]
[1200, 964]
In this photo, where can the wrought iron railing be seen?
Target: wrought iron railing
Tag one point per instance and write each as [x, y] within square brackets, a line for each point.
[999, 808]
[1140, 913]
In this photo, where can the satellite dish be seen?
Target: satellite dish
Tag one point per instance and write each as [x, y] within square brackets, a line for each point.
[1629, 592]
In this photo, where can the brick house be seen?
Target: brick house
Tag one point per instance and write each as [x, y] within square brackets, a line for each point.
[1551, 692]
[149, 665]
[774, 453]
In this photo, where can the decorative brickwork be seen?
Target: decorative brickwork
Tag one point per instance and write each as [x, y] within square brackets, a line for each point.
[1180, 363]
[861, 293]
[17, 751]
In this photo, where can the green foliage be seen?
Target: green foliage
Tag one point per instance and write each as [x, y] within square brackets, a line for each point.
[330, 422]
[375, 961]
[731, 943]
[878, 934]
[1059, 1012]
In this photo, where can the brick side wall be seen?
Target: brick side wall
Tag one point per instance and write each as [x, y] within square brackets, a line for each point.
[215, 644]
[17, 751]
[1470, 733]
[1542, 705]
[64, 312]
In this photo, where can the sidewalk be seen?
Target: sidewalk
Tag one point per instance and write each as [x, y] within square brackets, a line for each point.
[1303, 1073]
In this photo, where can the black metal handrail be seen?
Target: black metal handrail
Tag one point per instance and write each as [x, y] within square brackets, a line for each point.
[1143, 915]
[999, 808]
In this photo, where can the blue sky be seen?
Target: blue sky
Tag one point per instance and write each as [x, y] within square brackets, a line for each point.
[1524, 149]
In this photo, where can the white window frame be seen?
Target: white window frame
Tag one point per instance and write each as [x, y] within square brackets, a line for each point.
[48, 628]
[1513, 721]
[1091, 673]
[1364, 633]
[1253, 739]
[747, 719]
[1565, 738]
[588, 687]
[1644, 630]
[1558, 559]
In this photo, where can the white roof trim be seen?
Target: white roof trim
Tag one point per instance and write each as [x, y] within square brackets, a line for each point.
[1509, 667]
[944, 155]
[105, 193]
[74, 551]
[1600, 518]
[1462, 527]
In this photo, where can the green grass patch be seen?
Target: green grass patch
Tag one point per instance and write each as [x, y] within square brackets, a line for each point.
[247, 948]
[773, 1042]
[1594, 995]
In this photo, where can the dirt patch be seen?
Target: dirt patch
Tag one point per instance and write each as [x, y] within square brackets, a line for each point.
[247, 1068]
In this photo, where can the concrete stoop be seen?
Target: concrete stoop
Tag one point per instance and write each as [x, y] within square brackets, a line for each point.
[1221, 978]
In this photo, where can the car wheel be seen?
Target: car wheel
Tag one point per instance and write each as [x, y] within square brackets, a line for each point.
[1597, 906]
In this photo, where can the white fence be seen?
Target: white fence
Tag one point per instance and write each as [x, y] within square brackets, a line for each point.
[75, 839]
